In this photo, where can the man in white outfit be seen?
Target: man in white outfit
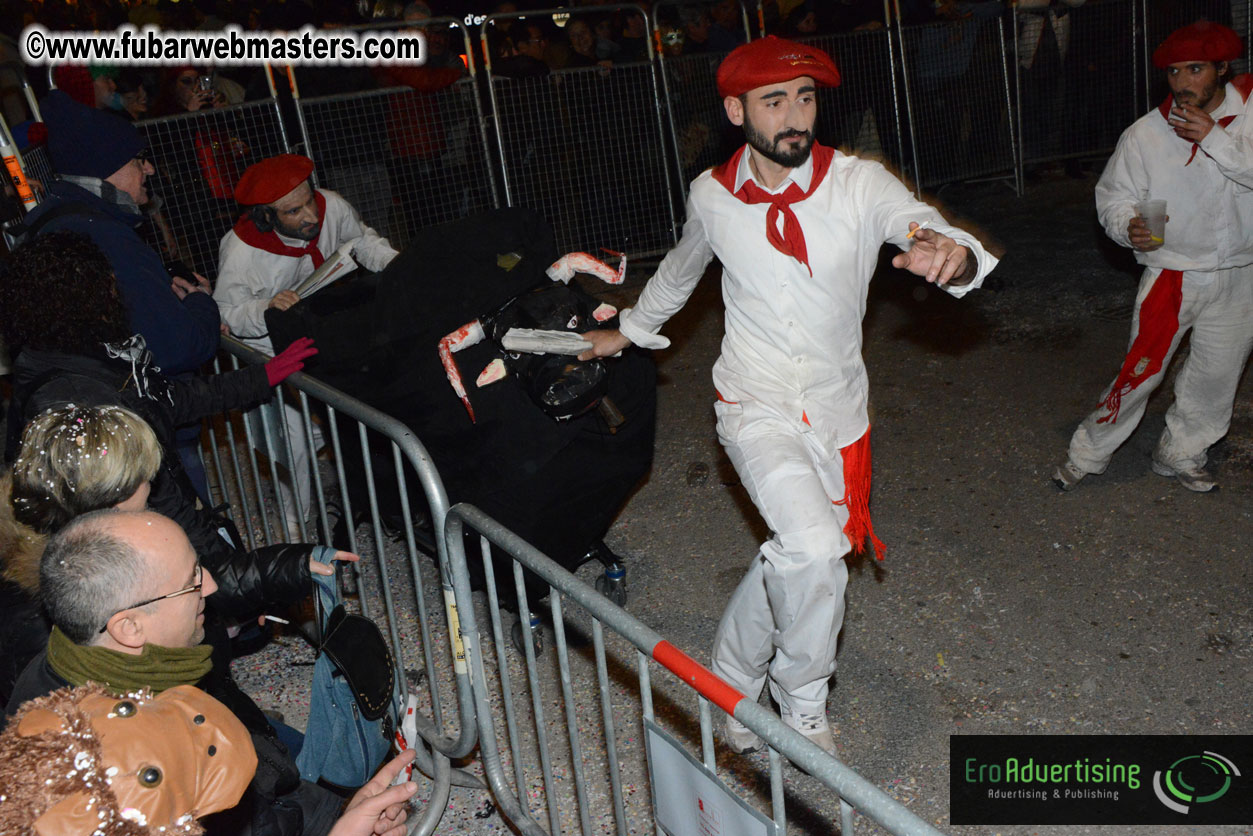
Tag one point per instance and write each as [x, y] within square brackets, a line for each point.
[289, 230]
[798, 229]
[1196, 151]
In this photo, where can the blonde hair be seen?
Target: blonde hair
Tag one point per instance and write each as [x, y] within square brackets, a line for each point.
[79, 459]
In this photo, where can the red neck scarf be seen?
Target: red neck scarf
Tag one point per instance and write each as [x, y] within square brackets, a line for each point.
[271, 243]
[1243, 84]
[792, 241]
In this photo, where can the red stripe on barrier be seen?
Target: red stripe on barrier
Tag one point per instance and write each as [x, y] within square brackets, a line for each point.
[706, 683]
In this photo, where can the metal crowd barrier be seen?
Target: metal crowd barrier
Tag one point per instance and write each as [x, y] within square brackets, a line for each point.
[544, 771]
[584, 148]
[241, 481]
[516, 742]
[699, 134]
[199, 157]
[957, 98]
[863, 114]
[1075, 86]
[406, 157]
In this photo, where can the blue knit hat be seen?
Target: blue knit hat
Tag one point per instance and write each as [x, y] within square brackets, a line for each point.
[87, 142]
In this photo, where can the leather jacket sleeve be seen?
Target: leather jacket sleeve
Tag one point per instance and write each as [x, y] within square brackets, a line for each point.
[249, 583]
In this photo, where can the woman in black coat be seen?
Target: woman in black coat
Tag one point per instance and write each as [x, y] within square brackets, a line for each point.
[61, 315]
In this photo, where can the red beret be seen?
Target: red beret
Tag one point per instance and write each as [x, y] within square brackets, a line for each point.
[1201, 41]
[269, 180]
[770, 60]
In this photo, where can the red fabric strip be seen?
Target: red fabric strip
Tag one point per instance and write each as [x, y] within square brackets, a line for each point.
[856, 458]
[270, 242]
[706, 683]
[1159, 321]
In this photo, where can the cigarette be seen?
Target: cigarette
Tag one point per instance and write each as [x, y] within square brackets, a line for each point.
[276, 619]
[915, 230]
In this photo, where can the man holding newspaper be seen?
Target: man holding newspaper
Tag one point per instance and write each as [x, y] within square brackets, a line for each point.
[292, 240]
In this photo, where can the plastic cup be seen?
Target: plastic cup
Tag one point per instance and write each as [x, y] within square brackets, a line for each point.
[1153, 212]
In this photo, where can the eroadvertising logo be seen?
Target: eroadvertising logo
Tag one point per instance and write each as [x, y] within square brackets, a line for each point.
[1100, 779]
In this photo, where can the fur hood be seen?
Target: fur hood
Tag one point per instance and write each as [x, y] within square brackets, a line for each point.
[20, 545]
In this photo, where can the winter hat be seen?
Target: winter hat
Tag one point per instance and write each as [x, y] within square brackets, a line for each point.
[87, 142]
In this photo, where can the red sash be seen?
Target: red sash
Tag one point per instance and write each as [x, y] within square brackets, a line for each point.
[271, 243]
[792, 241]
[1159, 320]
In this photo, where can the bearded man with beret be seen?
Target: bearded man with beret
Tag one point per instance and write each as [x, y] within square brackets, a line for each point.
[1196, 151]
[797, 228]
[288, 231]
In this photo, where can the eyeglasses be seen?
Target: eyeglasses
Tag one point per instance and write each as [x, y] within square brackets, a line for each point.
[672, 38]
[195, 587]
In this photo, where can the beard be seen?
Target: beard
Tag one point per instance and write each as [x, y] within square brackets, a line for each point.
[305, 233]
[1202, 99]
[771, 148]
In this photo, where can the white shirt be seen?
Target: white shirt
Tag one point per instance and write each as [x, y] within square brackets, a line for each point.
[793, 342]
[1209, 201]
[248, 277]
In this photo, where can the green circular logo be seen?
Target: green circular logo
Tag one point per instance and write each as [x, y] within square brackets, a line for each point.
[1194, 779]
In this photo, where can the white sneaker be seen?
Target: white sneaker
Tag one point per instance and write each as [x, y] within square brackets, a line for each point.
[814, 727]
[740, 739]
[1067, 476]
[1193, 478]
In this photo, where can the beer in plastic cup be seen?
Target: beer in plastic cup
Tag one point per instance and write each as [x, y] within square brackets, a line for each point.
[1153, 212]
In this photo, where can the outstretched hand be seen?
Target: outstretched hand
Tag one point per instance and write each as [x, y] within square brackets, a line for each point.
[379, 809]
[605, 343]
[317, 567]
[936, 257]
[289, 361]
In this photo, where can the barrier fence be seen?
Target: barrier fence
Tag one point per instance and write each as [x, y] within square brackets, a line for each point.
[199, 158]
[584, 148]
[479, 687]
[606, 154]
[397, 584]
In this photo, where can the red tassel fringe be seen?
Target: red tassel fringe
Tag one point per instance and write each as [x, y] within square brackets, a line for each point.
[857, 497]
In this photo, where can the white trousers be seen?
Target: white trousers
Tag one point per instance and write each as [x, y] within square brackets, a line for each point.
[1218, 308]
[295, 479]
[782, 621]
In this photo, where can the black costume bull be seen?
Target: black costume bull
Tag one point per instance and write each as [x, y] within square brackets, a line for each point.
[558, 484]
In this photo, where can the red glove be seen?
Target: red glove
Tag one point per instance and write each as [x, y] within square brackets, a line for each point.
[289, 361]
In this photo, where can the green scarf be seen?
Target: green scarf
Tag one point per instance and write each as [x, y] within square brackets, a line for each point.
[158, 668]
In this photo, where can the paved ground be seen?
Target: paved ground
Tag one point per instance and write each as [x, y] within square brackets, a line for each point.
[1003, 606]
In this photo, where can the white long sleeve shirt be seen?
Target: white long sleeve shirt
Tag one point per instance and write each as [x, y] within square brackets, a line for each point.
[248, 277]
[793, 341]
[1209, 201]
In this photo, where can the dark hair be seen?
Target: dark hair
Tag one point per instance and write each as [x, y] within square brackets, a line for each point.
[264, 217]
[58, 293]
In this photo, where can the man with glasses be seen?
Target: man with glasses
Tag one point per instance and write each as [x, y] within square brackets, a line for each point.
[126, 595]
[102, 168]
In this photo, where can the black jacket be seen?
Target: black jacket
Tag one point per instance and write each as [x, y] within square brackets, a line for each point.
[248, 582]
